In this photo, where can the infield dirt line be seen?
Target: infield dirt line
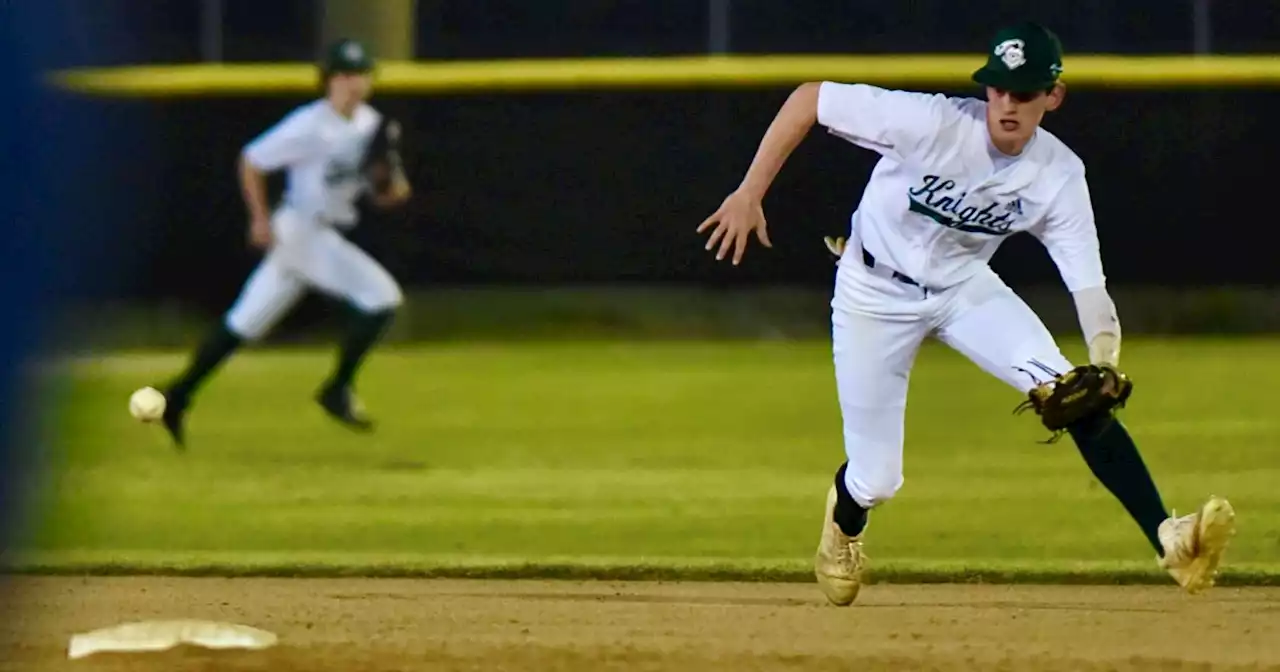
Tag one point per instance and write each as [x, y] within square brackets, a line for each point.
[1084, 574]
[397, 624]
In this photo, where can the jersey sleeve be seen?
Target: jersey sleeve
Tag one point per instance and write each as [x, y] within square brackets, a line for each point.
[290, 140]
[1069, 234]
[897, 124]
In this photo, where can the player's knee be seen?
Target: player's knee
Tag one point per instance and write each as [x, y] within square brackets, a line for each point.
[386, 298]
[245, 327]
[395, 297]
[871, 490]
[876, 495]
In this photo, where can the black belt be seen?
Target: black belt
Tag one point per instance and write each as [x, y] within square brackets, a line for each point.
[870, 260]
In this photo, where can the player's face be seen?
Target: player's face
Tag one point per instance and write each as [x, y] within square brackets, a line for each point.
[353, 85]
[1012, 117]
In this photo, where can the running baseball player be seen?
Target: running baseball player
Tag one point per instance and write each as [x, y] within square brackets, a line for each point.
[334, 149]
[956, 177]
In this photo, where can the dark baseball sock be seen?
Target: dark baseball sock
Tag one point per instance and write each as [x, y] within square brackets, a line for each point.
[849, 516]
[363, 332]
[1114, 459]
[215, 349]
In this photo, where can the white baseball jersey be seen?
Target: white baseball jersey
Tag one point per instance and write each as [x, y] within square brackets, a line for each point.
[321, 151]
[939, 203]
[942, 198]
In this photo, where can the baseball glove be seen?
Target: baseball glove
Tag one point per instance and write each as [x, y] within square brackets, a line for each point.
[382, 157]
[1077, 394]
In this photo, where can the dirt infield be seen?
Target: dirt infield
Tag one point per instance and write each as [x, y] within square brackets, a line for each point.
[377, 625]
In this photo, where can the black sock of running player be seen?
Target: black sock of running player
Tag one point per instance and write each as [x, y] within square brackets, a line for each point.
[215, 349]
[1114, 459]
[362, 334]
[849, 516]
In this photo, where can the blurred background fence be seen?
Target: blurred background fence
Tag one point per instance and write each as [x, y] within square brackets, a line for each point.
[572, 212]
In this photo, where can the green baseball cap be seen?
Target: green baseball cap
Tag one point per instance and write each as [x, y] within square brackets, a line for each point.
[1022, 58]
[346, 56]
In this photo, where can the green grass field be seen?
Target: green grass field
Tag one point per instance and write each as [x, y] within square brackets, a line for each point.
[633, 460]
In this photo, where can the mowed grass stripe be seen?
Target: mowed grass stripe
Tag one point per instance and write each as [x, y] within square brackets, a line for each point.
[674, 459]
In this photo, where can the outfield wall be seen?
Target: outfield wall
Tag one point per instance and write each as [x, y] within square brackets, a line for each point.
[589, 187]
[552, 175]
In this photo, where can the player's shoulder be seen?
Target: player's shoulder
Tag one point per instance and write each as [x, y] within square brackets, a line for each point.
[940, 103]
[1053, 151]
[937, 110]
[298, 121]
[965, 106]
[859, 92]
[367, 117]
[307, 110]
[306, 114]
[962, 111]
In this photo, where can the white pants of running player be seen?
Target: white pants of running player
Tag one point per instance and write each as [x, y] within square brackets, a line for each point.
[878, 325]
[308, 255]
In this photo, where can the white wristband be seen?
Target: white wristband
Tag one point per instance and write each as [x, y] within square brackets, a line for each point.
[1100, 324]
[1105, 349]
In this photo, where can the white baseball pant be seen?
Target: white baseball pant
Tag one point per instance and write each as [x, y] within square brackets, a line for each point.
[308, 254]
[878, 324]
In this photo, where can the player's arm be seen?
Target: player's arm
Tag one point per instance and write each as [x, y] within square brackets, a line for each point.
[789, 127]
[741, 213]
[894, 123]
[253, 188]
[1071, 237]
[890, 122]
[289, 141]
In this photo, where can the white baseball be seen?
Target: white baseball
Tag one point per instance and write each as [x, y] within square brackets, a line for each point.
[147, 404]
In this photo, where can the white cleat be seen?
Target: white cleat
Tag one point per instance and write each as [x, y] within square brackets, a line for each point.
[840, 561]
[1193, 544]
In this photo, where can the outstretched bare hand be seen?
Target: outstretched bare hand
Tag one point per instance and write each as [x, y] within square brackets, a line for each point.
[739, 215]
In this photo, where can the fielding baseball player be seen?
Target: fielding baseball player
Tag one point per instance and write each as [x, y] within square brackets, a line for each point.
[334, 150]
[956, 177]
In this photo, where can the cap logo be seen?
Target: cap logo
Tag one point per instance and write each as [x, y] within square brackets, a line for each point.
[1011, 53]
[352, 51]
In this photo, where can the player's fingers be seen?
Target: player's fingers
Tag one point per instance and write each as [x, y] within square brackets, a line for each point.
[740, 247]
[715, 236]
[726, 244]
[762, 232]
[715, 217]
